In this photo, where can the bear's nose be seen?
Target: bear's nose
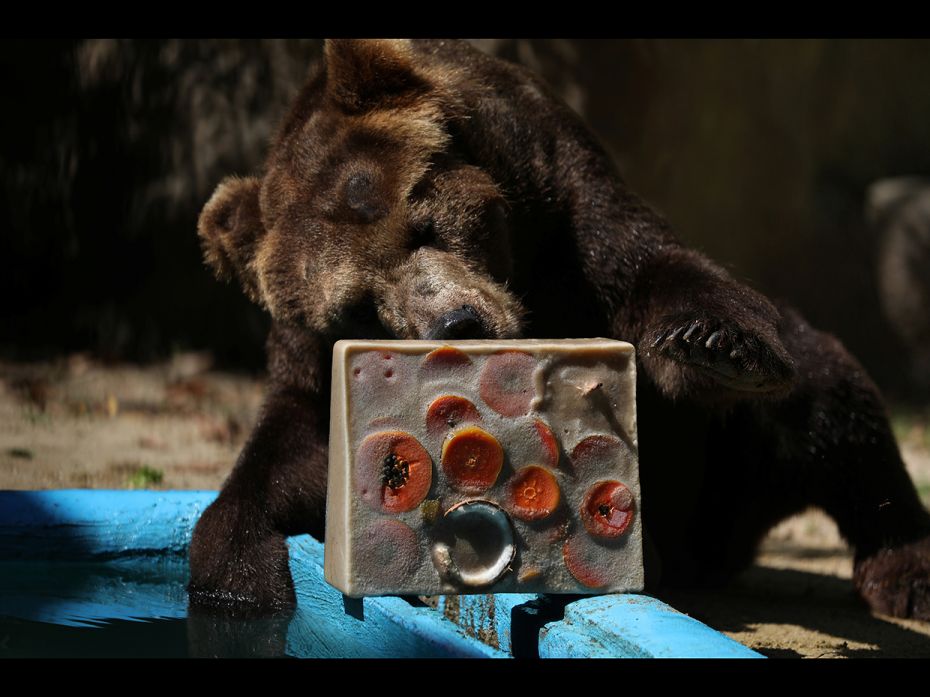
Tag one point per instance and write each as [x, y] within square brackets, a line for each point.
[463, 323]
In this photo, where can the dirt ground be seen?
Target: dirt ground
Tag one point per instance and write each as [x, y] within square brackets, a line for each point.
[74, 423]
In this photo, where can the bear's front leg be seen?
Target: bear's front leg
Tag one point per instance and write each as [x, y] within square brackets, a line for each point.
[702, 334]
[238, 555]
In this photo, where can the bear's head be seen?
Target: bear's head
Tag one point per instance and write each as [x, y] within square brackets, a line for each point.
[367, 222]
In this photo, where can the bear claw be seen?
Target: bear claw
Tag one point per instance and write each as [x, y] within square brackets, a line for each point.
[738, 360]
[713, 340]
[693, 328]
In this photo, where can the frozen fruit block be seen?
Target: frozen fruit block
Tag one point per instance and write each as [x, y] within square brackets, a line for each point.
[483, 467]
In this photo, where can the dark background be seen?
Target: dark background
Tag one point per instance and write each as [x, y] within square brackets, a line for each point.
[759, 152]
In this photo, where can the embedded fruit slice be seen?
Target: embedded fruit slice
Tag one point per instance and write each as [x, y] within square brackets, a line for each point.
[474, 545]
[532, 493]
[583, 558]
[445, 357]
[597, 453]
[389, 552]
[550, 446]
[393, 471]
[607, 509]
[449, 411]
[472, 459]
[507, 382]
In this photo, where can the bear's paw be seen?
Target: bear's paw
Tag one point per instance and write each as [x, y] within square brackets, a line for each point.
[737, 358]
[896, 581]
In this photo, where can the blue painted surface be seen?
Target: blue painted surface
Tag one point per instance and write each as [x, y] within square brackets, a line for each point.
[633, 626]
[91, 523]
[81, 558]
[485, 616]
[382, 627]
[126, 560]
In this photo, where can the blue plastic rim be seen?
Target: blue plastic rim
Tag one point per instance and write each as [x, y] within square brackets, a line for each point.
[123, 531]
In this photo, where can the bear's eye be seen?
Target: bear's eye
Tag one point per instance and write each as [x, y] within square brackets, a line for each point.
[362, 197]
[423, 234]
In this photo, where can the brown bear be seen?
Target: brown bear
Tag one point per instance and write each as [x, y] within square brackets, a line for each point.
[422, 189]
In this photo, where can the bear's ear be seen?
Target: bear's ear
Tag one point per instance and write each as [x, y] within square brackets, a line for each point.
[362, 74]
[230, 228]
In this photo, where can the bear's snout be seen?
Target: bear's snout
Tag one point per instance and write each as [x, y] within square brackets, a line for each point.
[463, 323]
[435, 294]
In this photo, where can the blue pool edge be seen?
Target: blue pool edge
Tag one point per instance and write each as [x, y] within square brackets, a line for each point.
[107, 525]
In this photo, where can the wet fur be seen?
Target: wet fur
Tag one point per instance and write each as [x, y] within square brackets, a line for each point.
[411, 178]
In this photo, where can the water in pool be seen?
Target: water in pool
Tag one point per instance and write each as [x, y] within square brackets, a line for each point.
[127, 608]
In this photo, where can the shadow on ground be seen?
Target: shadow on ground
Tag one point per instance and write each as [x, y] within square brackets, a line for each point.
[765, 607]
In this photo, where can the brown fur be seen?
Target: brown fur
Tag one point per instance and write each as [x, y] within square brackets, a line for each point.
[418, 182]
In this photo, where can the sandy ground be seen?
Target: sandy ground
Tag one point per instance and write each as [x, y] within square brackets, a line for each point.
[179, 425]
[78, 424]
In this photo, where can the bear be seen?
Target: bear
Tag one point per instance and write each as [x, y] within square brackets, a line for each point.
[423, 189]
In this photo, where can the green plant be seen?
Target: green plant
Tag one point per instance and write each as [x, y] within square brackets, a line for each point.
[144, 477]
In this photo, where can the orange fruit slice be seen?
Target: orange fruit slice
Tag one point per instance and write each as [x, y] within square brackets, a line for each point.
[581, 557]
[507, 382]
[532, 493]
[607, 509]
[597, 452]
[393, 471]
[445, 357]
[472, 459]
[389, 552]
[448, 411]
[550, 446]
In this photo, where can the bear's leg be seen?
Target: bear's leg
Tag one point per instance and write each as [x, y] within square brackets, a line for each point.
[828, 444]
[738, 468]
[835, 432]
[711, 487]
[238, 556]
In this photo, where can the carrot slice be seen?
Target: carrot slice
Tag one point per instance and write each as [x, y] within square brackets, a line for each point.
[581, 556]
[607, 509]
[448, 411]
[393, 471]
[445, 357]
[388, 551]
[472, 459]
[507, 382]
[533, 493]
[597, 453]
[550, 446]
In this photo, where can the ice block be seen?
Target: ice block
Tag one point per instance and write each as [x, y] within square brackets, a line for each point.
[483, 467]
